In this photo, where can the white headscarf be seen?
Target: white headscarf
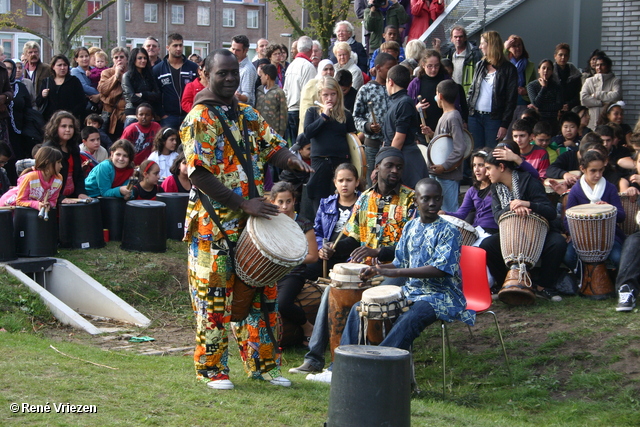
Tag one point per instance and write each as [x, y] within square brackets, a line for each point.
[321, 66]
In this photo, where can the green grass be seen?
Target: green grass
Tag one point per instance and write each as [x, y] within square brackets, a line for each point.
[573, 363]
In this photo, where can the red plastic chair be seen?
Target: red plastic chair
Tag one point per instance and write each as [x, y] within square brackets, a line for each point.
[475, 287]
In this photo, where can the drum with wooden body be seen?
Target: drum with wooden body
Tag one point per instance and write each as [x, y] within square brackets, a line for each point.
[629, 226]
[357, 155]
[268, 249]
[521, 241]
[441, 147]
[346, 290]
[593, 230]
[379, 308]
[468, 234]
[309, 300]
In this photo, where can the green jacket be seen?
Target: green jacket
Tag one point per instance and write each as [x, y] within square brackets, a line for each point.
[374, 22]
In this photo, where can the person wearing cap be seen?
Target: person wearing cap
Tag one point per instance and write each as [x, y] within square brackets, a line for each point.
[391, 204]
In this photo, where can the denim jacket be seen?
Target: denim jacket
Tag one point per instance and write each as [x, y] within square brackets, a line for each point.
[326, 218]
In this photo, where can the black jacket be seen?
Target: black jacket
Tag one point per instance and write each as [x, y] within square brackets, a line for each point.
[133, 82]
[505, 91]
[531, 190]
[69, 96]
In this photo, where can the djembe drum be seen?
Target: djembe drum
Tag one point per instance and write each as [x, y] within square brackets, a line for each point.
[309, 300]
[379, 308]
[629, 226]
[346, 290]
[468, 234]
[521, 241]
[593, 231]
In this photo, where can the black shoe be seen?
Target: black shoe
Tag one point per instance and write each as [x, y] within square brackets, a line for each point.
[549, 294]
[626, 299]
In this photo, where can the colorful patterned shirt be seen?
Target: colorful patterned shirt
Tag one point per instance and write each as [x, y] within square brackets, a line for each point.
[378, 221]
[206, 145]
[435, 244]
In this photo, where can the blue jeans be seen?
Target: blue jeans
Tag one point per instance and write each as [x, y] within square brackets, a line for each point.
[571, 257]
[293, 121]
[371, 163]
[128, 121]
[173, 122]
[450, 193]
[484, 130]
[407, 327]
[320, 337]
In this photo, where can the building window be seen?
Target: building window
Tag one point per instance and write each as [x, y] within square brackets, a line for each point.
[201, 48]
[90, 41]
[127, 11]
[228, 17]
[33, 9]
[5, 6]
[252, 19]
[177, 14]
[203, 15]
[92, 6]
[233, 1]
[151, 13]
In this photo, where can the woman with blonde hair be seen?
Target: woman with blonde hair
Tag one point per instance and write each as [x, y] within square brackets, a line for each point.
[414, 51]
[347, 61]
[327, 126]
[493, 94]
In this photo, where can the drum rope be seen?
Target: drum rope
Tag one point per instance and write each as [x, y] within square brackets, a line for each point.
[523, 277]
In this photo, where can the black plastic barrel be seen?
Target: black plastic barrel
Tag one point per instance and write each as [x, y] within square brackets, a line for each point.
[81, 225]
[35, 236]
[145, 226]
[176, 212]
[112, 211]
[7, 241]
[370, 386]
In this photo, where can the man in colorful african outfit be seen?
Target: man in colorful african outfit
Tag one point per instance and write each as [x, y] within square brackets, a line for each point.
[234, 186]
[371, 233]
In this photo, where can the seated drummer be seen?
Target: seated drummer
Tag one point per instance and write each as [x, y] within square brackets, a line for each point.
[627, 282]
[521, 192]
[592, 187]
[110, 178]
[427, 257]
[391, 204]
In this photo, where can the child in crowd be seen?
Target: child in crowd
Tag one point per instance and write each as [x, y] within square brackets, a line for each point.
[271, 101]
[142, 133]
[302, 149]
[164, 152]
[97, 122]
[585, 118]
[614, 113]
[5, 155]
[542, 133]
[148, 186]
[110, 178]
[178, 181]
[91, 152]
[39, 188]
[594, 188]
[449, 173]
[568, 138]
[536, 156]
[345, 80]
[101, 65]
[282, 195]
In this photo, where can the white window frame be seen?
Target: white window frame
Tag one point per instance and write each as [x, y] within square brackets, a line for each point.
[150, 10]
[233, 1]
[177, 14]
[203, 16]
[231, 20]
[99, 5]
[256, 18]
[5, 6]
[33, 9]
[127, 11]
[201, 48]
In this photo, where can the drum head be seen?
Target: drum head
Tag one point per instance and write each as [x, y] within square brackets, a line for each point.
[348, 268]
[279, 236]
[468, 139]
[145, 203]
[382, 293]
[425, 152]
[591, 210]
[439, 149]
[356, 154]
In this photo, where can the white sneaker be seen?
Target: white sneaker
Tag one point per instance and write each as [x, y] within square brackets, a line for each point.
[323, 377]
[281, 381]
[220, 385]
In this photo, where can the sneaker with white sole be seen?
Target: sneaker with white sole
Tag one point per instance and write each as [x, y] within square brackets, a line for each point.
[626, 299]
[281, 381]
[323, 377]
[220, 384]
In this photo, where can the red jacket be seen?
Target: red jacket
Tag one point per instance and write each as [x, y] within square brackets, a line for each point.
[423, 12]
[189, 94]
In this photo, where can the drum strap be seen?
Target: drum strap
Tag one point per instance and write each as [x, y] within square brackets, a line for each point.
[204, 199]
[266, 309]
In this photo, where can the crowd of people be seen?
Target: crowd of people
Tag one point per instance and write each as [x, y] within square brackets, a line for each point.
[228, 129]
